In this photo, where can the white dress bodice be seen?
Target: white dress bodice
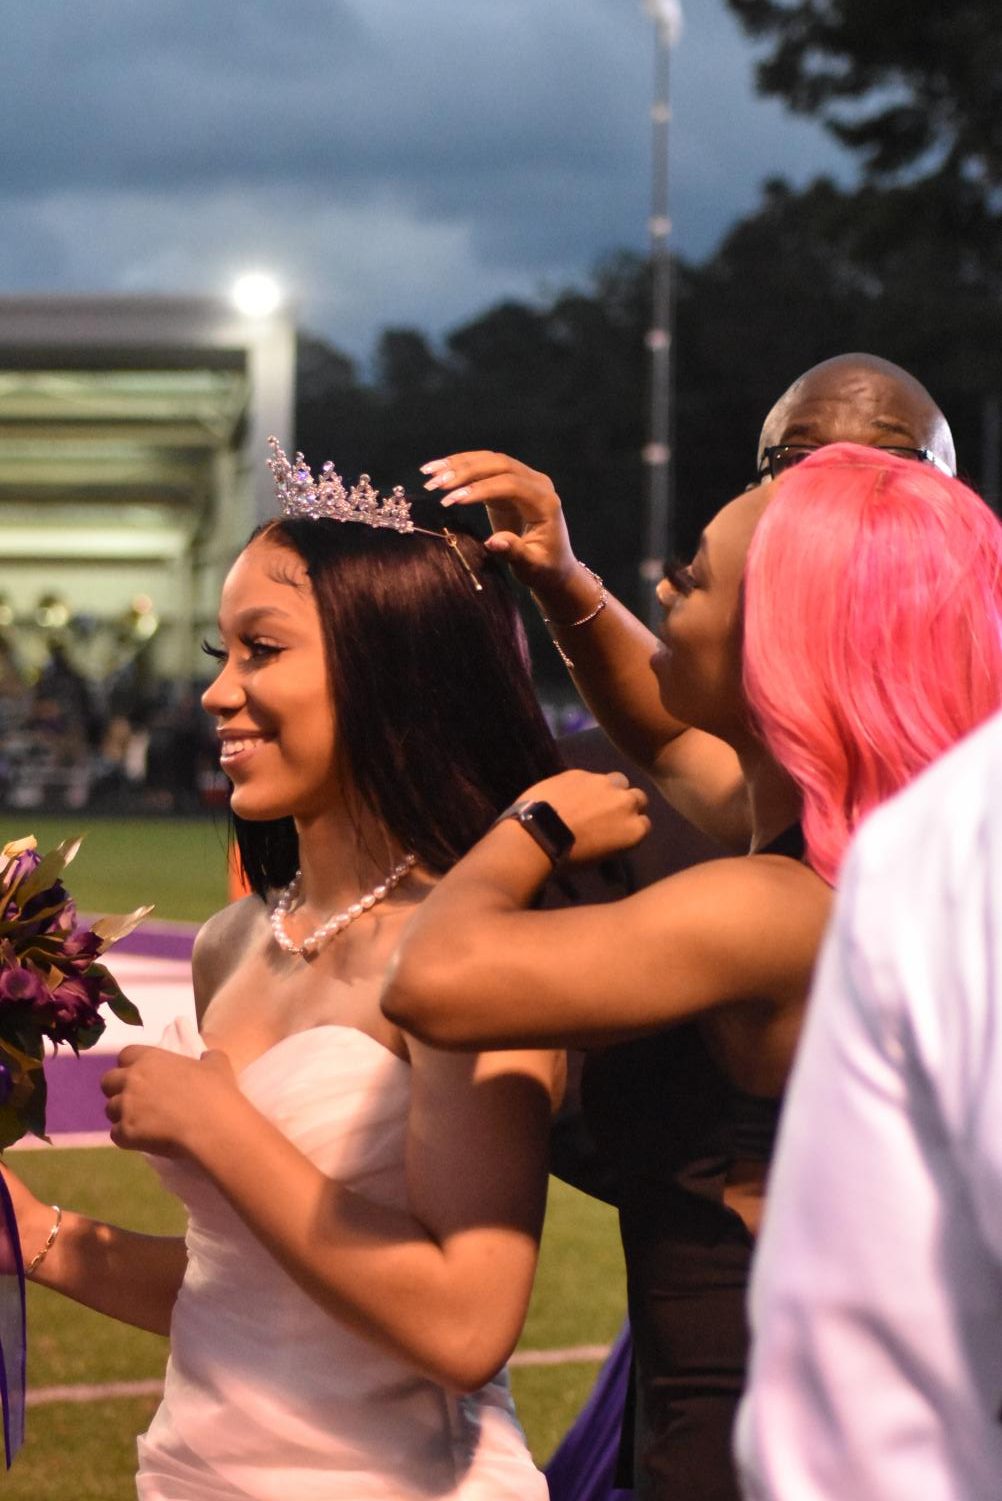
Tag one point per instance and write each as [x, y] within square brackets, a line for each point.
[269, 1398]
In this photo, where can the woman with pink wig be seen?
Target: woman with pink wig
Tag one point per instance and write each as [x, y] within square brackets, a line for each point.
[837, 630]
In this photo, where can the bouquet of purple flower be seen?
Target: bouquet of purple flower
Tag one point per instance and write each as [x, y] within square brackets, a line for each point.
[51, 984]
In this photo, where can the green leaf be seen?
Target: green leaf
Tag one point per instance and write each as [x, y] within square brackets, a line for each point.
[87, 1037]
[119, 1005]
[32, 1111]
[114, 997]
[23, 1061]
[28, 1038]
[45, 913]
[47, 871]
[111, 929]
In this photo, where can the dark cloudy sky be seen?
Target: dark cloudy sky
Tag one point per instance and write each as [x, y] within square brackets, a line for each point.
[402, 162]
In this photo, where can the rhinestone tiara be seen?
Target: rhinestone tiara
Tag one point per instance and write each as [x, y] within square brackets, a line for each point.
[299, 494]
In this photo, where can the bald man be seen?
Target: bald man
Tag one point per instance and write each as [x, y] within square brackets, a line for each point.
[855, 398]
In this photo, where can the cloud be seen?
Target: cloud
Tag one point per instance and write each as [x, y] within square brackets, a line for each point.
[409, 161]
[347, 269]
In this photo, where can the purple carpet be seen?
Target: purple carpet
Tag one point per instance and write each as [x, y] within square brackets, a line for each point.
[75, 1101]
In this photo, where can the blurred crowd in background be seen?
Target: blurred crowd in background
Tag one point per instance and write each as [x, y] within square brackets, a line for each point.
[126, 742]
[131, 742]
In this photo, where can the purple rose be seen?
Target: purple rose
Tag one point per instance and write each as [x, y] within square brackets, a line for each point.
[23, 987]
[54, 895]
[19, 866]
[73, 1006]
[81, 943]
[67, 921]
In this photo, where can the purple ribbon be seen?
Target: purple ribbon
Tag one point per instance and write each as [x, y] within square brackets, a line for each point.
[584, 1466]
[12, 1328]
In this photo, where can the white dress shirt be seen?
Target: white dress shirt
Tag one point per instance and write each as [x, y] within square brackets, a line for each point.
[876, 1298]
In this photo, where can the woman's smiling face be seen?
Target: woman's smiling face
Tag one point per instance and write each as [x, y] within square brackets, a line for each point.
[271, 699]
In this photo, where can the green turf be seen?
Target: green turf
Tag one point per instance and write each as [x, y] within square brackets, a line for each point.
[179, 864]
[87, 1450]
[80, 1452]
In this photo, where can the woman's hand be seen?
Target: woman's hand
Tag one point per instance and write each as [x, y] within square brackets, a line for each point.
[603, 812]
[524, 509]
[160, 1101]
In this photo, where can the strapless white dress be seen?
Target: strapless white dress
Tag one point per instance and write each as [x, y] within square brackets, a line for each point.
[268, 1398]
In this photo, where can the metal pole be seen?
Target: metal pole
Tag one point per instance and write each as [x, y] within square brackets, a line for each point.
[657, 450]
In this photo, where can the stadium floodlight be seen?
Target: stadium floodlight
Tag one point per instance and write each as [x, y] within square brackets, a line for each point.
[256, 294]
[668, 15]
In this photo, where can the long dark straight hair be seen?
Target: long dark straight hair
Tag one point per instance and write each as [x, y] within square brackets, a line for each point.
[437, 723]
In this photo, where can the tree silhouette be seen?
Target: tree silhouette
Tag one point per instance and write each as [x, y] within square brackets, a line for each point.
[906, 86]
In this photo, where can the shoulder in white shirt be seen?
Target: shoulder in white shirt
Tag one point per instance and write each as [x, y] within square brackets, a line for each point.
[876, 1299]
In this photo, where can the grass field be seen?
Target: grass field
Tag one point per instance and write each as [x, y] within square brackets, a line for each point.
[86, 1451]
[179, 864]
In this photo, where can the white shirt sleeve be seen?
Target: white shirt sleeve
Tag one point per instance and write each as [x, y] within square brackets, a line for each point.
[876, 1300]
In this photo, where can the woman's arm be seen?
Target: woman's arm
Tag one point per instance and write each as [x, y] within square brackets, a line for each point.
[611, 653]
[475, 969]
[131, 1277]
[447, 1285]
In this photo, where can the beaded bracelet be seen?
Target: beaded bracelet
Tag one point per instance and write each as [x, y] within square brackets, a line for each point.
[36, 1260]
[572, 625]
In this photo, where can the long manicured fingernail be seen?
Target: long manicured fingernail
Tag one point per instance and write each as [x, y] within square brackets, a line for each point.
[440, 481]
[495, 544]
[433, 465]
[450, 500]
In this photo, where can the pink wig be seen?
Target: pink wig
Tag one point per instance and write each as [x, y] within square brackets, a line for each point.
[872, 630]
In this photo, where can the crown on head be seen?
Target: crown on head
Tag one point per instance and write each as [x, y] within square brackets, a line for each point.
[301, 495]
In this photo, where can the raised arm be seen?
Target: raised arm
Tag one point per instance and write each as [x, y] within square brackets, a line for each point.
[610, 650]
[476, 968]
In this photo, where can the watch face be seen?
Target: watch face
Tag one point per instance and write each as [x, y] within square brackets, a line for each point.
[555, 832]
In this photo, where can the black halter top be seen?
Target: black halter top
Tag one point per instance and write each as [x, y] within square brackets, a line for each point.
[672, 1125]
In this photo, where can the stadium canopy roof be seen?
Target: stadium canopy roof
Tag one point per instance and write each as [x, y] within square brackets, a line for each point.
[132, 433]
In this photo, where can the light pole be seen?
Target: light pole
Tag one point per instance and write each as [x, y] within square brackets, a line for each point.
[667, 17]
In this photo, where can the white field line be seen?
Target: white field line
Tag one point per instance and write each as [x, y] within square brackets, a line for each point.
[40, 1396]
[572, 1355]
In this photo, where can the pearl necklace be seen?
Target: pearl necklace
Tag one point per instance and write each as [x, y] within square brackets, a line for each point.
[327, 930]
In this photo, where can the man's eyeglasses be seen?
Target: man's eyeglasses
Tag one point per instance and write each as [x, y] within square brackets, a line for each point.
[782, 456]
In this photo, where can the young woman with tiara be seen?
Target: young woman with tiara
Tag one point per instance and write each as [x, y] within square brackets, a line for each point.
[364, 1210]
[837, 630]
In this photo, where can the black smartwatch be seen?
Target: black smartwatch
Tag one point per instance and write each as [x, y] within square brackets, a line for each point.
[544, 824]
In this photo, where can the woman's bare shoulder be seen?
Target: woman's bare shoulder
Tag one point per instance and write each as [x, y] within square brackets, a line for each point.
[220, 944]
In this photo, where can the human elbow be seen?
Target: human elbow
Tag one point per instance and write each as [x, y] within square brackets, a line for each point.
[420, 995]
[472, 1357]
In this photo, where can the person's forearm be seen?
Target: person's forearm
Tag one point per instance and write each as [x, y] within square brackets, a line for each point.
[372, 1266]
[611, 655]
[131, 1277]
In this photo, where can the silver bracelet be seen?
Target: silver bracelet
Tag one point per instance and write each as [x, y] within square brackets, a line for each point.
[36, 1261]
[572, 625]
